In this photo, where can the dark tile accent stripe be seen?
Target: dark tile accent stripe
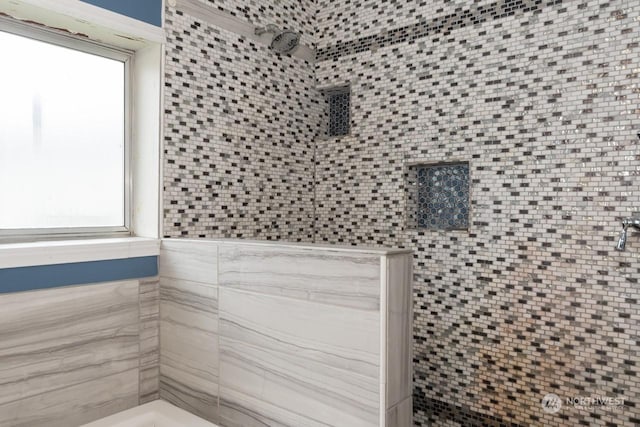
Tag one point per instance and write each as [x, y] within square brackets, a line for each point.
[53, 276]
[409, 33]
[437, 410]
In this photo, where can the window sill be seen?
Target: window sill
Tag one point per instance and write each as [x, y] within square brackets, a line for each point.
[30, 254]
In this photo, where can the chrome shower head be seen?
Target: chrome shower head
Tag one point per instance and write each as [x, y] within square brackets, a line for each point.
[284, 41]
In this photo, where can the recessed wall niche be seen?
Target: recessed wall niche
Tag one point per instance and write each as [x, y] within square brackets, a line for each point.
[338, 111]
[438, 196]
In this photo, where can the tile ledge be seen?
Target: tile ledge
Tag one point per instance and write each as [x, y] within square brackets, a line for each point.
[13, 255]
[327, 247]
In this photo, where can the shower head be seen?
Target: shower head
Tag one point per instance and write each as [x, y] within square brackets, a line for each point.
[284, 41]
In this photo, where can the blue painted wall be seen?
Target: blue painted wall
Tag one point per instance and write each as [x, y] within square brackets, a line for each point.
[149, 11]
[78, 273]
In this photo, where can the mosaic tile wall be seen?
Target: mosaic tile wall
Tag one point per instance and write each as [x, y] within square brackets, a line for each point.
[240, 124]
[348, 20]
[542, 99]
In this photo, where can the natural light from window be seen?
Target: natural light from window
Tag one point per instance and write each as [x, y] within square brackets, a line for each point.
[62, 137]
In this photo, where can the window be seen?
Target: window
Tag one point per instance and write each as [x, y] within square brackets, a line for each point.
[64, 135]
[438, 196]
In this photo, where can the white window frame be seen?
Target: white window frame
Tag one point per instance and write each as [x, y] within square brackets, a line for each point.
[63, 39]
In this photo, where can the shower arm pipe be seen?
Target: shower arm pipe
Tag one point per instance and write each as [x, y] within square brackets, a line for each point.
[271, 28]
[626, 223]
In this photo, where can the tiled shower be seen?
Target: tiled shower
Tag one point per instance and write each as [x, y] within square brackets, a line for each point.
[524, 294]
[497, 141]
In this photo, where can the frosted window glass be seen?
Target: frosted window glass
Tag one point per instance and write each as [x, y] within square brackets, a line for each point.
[61, 137]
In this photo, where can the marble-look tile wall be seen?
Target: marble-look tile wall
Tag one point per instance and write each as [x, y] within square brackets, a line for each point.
[74, 354]
[189, 357]
[399, 336]
[297, 363]
[269, 334]
[149, 301]
[189, 327]
[299, 336]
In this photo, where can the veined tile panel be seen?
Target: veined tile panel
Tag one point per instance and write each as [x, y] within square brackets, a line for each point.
[401, 414]
[399, 369]
[189, 346]
[296, 362]
[188, 259]
[75, 405]
[55, 341]
[337, 278]
[149, 339]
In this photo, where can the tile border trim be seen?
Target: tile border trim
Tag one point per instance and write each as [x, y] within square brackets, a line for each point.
[442, 24]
